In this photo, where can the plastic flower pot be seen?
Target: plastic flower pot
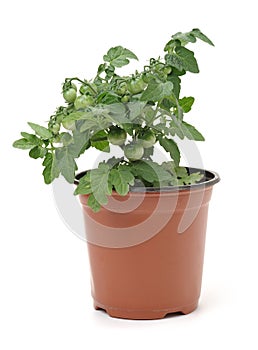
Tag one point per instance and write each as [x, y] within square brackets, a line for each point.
[146, 250]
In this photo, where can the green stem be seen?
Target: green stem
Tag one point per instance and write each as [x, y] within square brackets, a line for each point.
[85, 83]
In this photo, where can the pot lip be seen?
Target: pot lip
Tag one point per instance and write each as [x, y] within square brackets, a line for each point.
[211, 178]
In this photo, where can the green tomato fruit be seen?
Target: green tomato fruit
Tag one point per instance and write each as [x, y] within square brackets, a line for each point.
[55, 128]
[70, 95]
[136, 86]
[86, 90]
[121, 89]
[69, 124]
[167, 70]
[117, 136]
[83, 101]
[147, 138]
[125, 98]
[134, 151]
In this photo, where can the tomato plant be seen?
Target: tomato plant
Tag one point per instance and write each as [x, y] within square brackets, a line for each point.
[133, 111]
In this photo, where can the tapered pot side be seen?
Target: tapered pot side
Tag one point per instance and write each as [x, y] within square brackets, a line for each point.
[146, 250]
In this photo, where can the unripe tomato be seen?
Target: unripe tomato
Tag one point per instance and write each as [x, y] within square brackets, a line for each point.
[55, 128]
[134, 151]
[121, 89]
[69, 124]
[117, 136]
[167, 70]
[83, 101]
[147, 138]
[136, 86]
[70, 95]
[125, 98]
[85, 89]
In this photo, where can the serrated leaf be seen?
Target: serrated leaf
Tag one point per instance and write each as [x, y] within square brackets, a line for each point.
[188, 179]
[191, 132]
[119, 56]
[176, 84]
[74, 116]
[135, 109]
[150, 171]
[99, 141]
[84, 186]
[176, 129]
[148, 152]
[157, 91]
[188, 59]
[41, 131]
[121, 178]
[184, 37]
[186, 103]
[170, 146]
[80, 143]
[99, 179]
[181, 171]
[37, 152]
[31, 138]
[108, 97]
[23, 144]
[198, 34]
[93, 203]
[65, 163]
[50, 171]
[101, 145]
[182, 59]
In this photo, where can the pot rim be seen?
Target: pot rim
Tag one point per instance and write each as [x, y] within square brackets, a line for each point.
[210, 179]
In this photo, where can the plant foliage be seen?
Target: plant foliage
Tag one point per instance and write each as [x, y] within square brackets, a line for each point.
[132, 112]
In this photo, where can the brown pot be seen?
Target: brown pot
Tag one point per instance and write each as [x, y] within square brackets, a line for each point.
[146, 250]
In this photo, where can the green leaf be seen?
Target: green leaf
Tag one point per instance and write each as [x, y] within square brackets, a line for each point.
[184, 37]
[157, 91]
[198, 34]
[99, 141]
[93, 203]
[74, 116]
[23, 144]
[119, 56]
[50, 171]
[186, 103]
[121, 178]
[84, 186]
[80, 143]
[101, 68]
[176, 84]
[148, 152]
[101, 145]
[150, 171]
[135, 109]
[37, 152]
[191, 133]
[193, 178]
[100, 186]
[170, 146]
[183, 178]
[90, 122]
[41, 131]
[182, 59]
[65, 163]
[31, 138]
[66, 138]
[108, 97]
[116, 113]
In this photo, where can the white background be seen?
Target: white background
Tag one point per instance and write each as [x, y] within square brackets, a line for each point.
[45, 298]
